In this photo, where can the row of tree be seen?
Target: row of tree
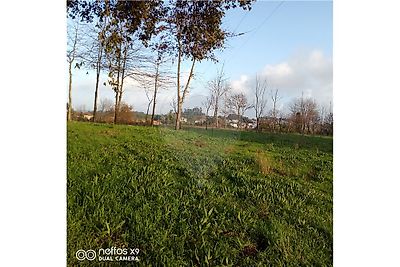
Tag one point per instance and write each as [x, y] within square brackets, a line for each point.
[305, 115]
[133, 39]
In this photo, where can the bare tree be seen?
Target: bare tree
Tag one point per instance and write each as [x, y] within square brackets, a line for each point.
[106, 104]
[155, 75]
[208, 103]
[260, 100]
[275, 97]
[238, 103]
[304, 114]
[174, 105]
[150, 100]
[329, 120]
[74, 40]
[311, 115]
[218, 87]
[321, 118]
[157, 64]
[225, 109]
[182, 90]
[161, 75]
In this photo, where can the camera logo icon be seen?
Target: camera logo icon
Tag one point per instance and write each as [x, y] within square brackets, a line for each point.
[85, 254]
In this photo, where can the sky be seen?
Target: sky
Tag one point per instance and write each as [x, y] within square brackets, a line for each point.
[287, 43]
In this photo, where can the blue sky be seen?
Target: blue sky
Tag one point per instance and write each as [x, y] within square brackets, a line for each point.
[293, 26]
[292, 49]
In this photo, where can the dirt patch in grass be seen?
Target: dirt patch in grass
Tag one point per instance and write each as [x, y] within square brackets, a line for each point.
[249, 250]
[265, 163]
[200, 143]
[263, 211]
[229, 149]
[109, 133]
[229, 234]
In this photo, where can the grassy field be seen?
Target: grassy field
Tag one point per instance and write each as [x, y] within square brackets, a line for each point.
[200, 198]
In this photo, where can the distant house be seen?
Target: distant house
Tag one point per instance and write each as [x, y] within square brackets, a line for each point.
[155, 122]
[87, 117]
[251, 125]
[183, 119]
[199, 122]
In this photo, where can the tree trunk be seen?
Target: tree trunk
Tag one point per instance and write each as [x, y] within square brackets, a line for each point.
[238, 117]
[147, 111]
[178, 116]
[119, 98]
[154, 107]
[216, 112]
[116, 108]
[98, 69]
[258, 124]
[69, 111]
[178, 120]
[121, 88]
[154, 96]
[95, 95]
[178, 86]
[182, 98]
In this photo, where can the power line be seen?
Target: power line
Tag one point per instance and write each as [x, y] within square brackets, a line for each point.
[262, 23]
[254, 30]
[240, 22]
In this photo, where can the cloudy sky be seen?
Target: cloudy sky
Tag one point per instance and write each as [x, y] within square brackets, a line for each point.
[287, 43]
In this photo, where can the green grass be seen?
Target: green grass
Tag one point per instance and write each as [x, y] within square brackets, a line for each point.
[200, 198]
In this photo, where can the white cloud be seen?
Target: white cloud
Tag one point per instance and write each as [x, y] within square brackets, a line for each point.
[309, 73]
[241, 84]
[281, 70]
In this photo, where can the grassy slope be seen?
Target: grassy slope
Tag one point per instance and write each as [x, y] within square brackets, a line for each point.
[199, 197]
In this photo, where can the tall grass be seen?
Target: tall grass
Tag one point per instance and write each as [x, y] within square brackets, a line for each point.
[196, 197]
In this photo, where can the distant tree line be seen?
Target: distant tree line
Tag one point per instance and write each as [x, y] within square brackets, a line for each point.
[305, 116]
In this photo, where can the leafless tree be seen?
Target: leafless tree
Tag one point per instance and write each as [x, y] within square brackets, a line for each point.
[106, 104]
[157, 76]
[304, 114]
[157, 63]
[81, 108]
[260, 100]
[329, 120]
[322, 114]
[174, 105]
[208, 103]
[225, 108]
[74, 41]
[275, 97]
[150, 100]
[238, 103]
[218, 87]
[311, 118]
[182, 91]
